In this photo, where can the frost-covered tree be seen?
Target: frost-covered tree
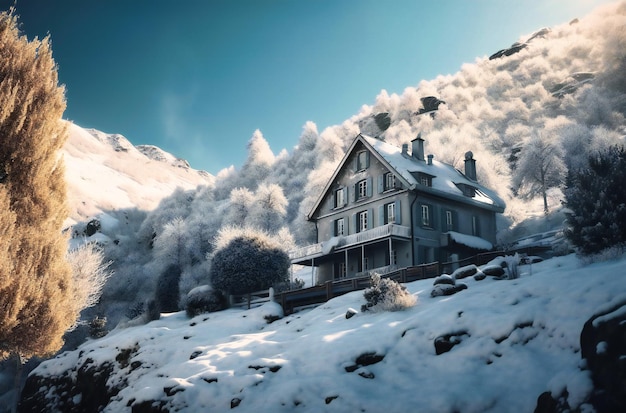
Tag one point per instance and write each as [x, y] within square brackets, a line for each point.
[268, 210]
[259, 163]
[241, 200]
[170, 246]
[247, 260]
[539, 168]
[597, 200]
[90, 272]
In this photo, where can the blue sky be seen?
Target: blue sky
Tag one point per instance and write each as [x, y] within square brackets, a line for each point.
[197, 78]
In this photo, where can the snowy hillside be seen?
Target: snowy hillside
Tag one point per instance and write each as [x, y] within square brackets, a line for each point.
[106, 172]
[511, 341]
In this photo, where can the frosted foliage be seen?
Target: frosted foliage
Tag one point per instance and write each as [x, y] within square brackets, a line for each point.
[269, 208]
[241, 199]
[170, 244]
[330, 146]
[539, 168]
[387, 295]
[259, 151]
[90, 272]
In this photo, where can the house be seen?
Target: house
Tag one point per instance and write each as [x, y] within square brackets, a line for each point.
[385, 208]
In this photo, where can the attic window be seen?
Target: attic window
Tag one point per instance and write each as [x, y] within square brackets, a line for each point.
[467, 190]
[362, 160]
[422, 178]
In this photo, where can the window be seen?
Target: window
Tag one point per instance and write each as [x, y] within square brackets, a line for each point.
[340, 198]
[449, 222]
[366, 265]
[362, 221]
[390, 181]
[393, 258]
[391, 213]
[362, 160]
[426, 215]
[340, 226]
[423, 179]
[362, 189]
[475, 226]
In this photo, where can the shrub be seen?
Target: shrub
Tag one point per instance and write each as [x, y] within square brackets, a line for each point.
[97, 327]
[249, 262]
[203, 299]
[387, 295]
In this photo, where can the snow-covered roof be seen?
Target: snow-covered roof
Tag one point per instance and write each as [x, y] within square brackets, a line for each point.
[446, 179]
[470, 241]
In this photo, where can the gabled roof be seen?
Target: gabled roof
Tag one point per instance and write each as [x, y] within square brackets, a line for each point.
[447, 181]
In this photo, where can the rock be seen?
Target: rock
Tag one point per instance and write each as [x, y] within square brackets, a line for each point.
[447, 289]
[465, 272]
[444, 343]
[493, 270]
[444, 279]
[92, 227]
[86, 392]
[603, 345]
[351, 313]
[365, 359]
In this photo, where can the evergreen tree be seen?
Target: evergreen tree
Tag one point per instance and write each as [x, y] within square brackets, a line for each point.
[35, 278]
[597, 200]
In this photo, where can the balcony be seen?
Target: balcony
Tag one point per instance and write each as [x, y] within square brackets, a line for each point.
[324, 248]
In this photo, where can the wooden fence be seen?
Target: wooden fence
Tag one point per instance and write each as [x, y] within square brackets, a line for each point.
[291, 300]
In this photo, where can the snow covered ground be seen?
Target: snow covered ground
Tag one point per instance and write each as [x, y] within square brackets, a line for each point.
[518, 338]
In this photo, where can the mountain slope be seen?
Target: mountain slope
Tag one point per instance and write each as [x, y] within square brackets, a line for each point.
[511, 340]
[105, 172]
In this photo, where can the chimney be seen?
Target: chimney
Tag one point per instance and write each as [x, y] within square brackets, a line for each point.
[470, 165]
[417, 147]
[405, 149]
[430, 159]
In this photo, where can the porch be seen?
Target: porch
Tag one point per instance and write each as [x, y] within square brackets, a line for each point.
[382, 249]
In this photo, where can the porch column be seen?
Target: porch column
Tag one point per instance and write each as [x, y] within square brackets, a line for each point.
[312, 272]
[346, 266]
[362, 257]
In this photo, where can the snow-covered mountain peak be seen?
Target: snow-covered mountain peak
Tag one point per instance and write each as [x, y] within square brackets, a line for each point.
[105, 172]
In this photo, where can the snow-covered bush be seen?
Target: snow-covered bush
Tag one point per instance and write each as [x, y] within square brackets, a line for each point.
[247, 260]
[386, 294]
[204, 299]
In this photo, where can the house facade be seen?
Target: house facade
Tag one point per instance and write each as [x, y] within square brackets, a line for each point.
[387, 207]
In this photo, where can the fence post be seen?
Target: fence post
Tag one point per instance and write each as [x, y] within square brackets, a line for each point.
[329, 290]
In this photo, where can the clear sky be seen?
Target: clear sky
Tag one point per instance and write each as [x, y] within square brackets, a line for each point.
[197, 77]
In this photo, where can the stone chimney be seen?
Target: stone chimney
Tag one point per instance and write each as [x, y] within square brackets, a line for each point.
[405, 149]
[430, 159]
[417, 147]
[470, 166]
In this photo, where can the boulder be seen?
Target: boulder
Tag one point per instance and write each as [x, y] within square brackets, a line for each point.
[603, 345]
